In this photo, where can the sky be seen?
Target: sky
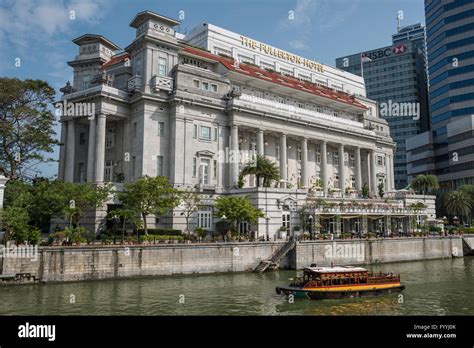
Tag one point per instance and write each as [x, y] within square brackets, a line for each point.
[36, 35]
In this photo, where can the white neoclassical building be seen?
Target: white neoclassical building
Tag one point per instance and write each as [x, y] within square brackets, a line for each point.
[181, 106]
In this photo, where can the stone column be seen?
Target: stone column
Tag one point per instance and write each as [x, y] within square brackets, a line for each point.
[234, 147]
[304, 163]
[373, 176]
[324, 165]
[100, 149]
[62, 150]
[70, 149]
[91, 151]
[342, 174]
[3, 182]
[388, 175]
[392, 173]
[260, 143]
[283, 169]
[358, 170]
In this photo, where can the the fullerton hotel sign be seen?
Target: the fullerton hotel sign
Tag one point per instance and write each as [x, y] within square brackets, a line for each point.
[281, 54]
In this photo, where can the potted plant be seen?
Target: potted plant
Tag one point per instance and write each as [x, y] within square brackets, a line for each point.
[282, 232]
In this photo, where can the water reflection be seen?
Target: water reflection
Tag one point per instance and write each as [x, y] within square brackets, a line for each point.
[436, 287]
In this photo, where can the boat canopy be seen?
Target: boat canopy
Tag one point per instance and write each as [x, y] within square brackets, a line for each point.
[338, 269]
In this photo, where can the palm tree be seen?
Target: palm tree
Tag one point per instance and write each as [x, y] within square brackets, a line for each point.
[424, 183]
[262, 167]
[458, 203]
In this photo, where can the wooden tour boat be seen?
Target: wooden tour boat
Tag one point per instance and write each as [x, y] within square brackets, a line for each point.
[341, 282]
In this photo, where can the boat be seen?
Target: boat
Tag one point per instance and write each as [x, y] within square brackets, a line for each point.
[338, 282]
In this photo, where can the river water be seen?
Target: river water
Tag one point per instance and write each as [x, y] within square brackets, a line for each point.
[435, 287]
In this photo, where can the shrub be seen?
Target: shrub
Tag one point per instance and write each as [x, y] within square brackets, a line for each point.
[161, 232]
[435, 229]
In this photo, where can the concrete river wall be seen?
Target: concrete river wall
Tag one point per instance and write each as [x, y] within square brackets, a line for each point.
[56, 264]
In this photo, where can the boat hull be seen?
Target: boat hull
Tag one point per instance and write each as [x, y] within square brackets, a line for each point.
[332, 293]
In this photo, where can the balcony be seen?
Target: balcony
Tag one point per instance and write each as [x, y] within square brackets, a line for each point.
[135, 83]
[294, 112]
[161, 83]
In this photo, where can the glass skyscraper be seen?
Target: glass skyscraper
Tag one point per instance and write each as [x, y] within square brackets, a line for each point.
[395, 76]
[450, 43]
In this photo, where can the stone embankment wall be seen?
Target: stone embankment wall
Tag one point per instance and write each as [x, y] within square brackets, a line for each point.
[56, 264]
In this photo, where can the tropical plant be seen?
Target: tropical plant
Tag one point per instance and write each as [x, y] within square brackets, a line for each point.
[381, 189]
[262, 168]
[149, 195]
[458, 203]
[365, 191]
[424, 183]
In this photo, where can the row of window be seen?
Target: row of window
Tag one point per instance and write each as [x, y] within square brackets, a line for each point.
[451, 72]
[451, 86]
[452, 113]
[455, 99]
[205, 85]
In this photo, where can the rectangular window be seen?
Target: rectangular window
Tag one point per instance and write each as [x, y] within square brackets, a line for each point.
[134, 161]
[82, 172]
[205, 168]
[379, 160]
[353, 181]
[86, 81]
[298, 152]
[286, 221]
[205, 218]
[336, 181]
[110, 138]
[351, 161]
[215, 169]
[108, 170]
[205, 86]
[196, 83]
[159, 165]
[82, 138]
[162, 65]
[195, 133]
[161, 129]
[318, 156]
[277, 149]
[216, 134]
[213, 88]
[194, 166]
[205, 133]
[135, 129]
[335, 158]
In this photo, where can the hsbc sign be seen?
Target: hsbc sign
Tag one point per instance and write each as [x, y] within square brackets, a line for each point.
[386, 52]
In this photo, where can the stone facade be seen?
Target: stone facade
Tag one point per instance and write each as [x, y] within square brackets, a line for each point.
[164, 107]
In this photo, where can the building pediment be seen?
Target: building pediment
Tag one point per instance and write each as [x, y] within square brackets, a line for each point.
[205, 153]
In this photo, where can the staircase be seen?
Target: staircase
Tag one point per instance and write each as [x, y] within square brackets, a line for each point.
[276, 257]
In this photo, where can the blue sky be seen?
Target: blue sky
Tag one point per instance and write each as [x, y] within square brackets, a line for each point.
[39, 32]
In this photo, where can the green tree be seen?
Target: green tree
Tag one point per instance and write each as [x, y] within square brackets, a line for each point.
[126, 215]
[424, 183]
[15, 223]
[75, 200]
[26, 126]
[236, 210]
[149, 195]
[458, 203]
[381, 189]
[191, 202]
[262, 168]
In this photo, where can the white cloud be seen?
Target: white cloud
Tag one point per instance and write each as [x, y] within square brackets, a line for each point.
[25, 22]
[298, 45]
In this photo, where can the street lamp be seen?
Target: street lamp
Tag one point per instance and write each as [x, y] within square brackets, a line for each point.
[311, 226]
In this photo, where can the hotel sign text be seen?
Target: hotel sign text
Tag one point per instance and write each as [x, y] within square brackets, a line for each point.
[281, 54]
